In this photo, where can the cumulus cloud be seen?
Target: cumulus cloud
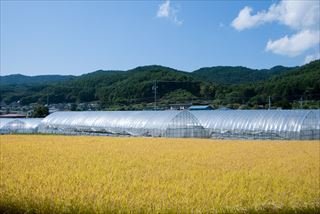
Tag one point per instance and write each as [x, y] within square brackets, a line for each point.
[169, 12]
[246, 20]
[295, 14]
[301, 16]
[311, 57]
[295, 44]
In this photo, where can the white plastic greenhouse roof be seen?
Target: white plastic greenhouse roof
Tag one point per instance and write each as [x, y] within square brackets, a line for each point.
[290, 124]
[275, 120]
[248, 124]
[4, 121]
[27, 122]
[8, 125]
[146, 123]
[130, 119]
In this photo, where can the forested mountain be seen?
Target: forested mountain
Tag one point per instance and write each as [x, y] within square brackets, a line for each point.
[237, 75]
[22, 79]
[239, 87]
[301, 83]
[218, 74]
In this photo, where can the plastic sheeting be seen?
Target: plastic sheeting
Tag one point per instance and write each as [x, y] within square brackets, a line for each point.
[317, 112]
[19, 125]
[232, 124]
[4, 121]
[135, 123]
[261, 124]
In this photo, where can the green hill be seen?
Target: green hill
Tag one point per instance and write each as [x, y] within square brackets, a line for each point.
[303, 82]
[300, 83]
[237, 75]
[218, 86]
[41, 79]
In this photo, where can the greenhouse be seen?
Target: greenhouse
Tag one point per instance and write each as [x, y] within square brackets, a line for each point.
[217, 124]
[261, 124]
[233, 124]
[21, 125]
[134, 123]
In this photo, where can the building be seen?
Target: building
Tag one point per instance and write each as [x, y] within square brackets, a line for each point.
[13, 116]
[216, 124]
[199, 108]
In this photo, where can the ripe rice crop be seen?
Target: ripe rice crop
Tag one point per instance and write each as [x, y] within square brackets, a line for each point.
[81, 174]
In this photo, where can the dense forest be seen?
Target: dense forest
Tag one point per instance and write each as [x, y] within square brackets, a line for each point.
[22, 79]
[233, 87]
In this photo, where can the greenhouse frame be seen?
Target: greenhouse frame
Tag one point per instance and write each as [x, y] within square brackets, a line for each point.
[132, 123]
[217, 124]
[19, 125]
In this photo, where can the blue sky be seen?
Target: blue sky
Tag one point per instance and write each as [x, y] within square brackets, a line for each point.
[76, 37]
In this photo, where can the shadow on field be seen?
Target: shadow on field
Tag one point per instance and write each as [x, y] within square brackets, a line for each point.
[14, 209]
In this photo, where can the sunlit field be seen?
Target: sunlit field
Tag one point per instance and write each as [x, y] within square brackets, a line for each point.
[71, 174]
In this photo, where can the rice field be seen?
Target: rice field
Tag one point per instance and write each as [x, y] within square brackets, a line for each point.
[82, 174]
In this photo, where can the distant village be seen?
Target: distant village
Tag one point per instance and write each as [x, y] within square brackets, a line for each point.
[16, 110]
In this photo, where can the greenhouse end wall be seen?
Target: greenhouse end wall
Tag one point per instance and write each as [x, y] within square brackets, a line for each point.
[218, 124]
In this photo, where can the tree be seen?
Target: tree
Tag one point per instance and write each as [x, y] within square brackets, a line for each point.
[40, 111]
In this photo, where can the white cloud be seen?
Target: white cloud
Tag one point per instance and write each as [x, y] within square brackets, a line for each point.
[295, 44]
[301, 16]
[164, 9]
[311, 57]
[295, 14]
[167, 11]
[246, 20]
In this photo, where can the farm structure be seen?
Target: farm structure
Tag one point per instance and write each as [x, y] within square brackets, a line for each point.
[19, 125]
[220, 124]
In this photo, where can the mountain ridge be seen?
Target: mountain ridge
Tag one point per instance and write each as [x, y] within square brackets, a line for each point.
[214, 74]
[134, 89]
[25, 79]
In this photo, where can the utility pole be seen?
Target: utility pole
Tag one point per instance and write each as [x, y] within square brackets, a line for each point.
[269, 103]
[154, 88]
[47, 96]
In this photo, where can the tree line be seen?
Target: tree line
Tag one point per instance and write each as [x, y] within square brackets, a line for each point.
[285, 87]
